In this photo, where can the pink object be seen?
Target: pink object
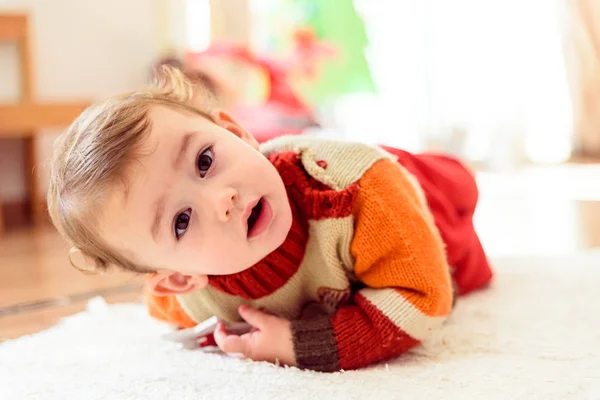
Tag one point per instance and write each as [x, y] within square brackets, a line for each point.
[283, 112]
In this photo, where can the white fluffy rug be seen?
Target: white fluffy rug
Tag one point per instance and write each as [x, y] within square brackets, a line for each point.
[535, 334]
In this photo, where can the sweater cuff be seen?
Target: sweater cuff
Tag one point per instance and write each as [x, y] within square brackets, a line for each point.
[315, 346]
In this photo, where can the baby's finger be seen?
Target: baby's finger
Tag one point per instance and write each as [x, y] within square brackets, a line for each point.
[254, 317]
[219, 335]
[231, 343]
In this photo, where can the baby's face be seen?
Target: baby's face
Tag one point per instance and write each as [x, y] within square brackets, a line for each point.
[200, 200]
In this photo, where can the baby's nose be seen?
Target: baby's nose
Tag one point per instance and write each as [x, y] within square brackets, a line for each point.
[226, 201]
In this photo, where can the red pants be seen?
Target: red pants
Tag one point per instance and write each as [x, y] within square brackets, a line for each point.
[452, 194]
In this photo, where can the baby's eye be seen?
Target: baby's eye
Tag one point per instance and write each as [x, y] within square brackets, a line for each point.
[181, 223]
[205, 160]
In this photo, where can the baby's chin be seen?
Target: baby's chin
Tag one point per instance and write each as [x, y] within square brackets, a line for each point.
[253, 262]
[275, 243]
[235, 270]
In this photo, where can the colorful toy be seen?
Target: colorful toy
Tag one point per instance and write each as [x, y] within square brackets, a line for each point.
[257, 90]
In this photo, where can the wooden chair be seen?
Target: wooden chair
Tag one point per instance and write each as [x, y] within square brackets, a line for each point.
[24, 119]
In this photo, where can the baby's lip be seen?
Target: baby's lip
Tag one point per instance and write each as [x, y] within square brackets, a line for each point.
[248, 211]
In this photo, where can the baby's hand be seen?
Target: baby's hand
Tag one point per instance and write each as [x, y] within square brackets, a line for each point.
[269, 340]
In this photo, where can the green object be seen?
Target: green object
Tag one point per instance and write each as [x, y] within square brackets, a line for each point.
[336, 23]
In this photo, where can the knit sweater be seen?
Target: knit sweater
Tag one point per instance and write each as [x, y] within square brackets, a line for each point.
[363, 273]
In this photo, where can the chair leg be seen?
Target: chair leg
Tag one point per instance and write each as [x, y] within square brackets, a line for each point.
[36, 208]
[2, 227]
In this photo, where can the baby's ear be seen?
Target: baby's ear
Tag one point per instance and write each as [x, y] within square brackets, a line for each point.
[166, 283]
[225, 120]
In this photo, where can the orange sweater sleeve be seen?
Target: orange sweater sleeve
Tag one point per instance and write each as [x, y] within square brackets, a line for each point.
[400, 260]
[168, 309]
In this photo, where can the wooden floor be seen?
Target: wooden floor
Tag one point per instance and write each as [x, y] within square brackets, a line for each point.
[38, 286]
[537, 211]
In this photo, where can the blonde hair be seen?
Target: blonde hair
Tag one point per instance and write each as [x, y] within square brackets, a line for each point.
[93, 155]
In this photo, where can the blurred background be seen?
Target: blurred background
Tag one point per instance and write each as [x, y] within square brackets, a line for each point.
[513, 87]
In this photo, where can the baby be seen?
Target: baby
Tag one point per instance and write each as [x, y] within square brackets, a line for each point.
[338, 254]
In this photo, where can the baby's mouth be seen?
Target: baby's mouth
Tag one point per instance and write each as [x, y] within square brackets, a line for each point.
[254, 215]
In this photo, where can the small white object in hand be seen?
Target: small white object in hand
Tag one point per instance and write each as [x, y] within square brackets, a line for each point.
[191, 337]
